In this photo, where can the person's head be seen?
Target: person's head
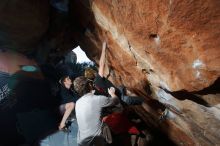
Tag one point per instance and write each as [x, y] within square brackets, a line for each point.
[66, 82]
[82, 85]
[90, 73]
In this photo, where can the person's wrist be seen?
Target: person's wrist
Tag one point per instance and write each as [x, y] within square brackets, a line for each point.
[104, 45]
[113, 95]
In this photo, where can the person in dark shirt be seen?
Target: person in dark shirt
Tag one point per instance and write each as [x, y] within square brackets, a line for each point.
[101, 83]
[68, 99]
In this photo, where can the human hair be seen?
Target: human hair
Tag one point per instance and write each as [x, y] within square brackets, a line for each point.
[90, 73]
[82, 85]
[62, 79]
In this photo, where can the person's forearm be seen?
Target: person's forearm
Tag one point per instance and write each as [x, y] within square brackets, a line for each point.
[114, 99]
[102, 60]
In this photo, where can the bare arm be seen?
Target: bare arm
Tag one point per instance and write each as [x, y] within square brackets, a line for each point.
[102, 60]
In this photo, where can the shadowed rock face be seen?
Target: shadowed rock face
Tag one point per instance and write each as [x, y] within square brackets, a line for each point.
[166, 51]
[23, 23]
[36, 28]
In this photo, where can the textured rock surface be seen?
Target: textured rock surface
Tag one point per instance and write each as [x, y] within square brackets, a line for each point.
[164, 50]
[175, 42]
[171, 46]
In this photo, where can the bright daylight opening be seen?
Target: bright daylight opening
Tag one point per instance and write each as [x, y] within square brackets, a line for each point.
[81, 55]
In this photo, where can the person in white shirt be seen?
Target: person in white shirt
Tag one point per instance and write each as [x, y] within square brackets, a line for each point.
[88, 112]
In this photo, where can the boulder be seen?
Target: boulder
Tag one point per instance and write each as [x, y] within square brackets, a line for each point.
[166, 51]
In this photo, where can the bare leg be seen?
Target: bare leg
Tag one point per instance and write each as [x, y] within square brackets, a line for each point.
[68, 109]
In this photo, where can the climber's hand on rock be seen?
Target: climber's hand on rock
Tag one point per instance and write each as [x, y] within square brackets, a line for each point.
[111, 91]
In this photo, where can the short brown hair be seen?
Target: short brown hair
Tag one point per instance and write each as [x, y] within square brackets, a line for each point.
[82, 85]
[89, 73]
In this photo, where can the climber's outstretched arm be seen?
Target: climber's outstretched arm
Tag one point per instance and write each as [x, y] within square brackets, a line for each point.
[102, 60]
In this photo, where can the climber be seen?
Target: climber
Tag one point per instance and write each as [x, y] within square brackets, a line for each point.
[68, 99]
[88, 112]
[102, 84]
[124, 128]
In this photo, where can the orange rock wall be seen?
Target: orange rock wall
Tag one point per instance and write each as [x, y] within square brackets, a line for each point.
[175, 41]
[169, 46]
[166, 51]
